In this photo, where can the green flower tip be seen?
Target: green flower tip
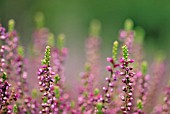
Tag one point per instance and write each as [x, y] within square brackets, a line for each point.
[144, 67]
[125, 52]
[85, 94]
[114, 51]
[99, 108]
[11, 25]
[46, 60]
[45, 99]
[160, 56]
[4, 76]
[39, 20]
[34, 93]
[139, 35]
[15, 108]
[60, 41]
[20, 50]
[128, 25]
[56, 79]
[83, 109]
[95, 27]
[139, 104]
[96, 91]
[51, 40]
[72, 104]
[57, 92]
[87, 67]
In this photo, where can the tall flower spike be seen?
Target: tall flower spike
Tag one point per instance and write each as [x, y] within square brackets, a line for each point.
[46, 60]
[128, 82]
[46, 83]
[60, 41]
[11, 25]
[95, 27]
[114, 51]
[125, 52]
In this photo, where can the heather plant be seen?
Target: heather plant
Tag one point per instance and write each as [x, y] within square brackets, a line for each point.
[132, 85]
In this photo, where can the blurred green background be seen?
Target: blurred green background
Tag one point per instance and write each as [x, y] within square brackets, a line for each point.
[72, 17]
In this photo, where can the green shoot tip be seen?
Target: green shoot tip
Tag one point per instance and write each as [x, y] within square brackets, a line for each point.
[11, 25]
[95, 27]
[39, 20]
[128, 25]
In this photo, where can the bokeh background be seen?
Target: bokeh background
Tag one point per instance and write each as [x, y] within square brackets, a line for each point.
[72, 17]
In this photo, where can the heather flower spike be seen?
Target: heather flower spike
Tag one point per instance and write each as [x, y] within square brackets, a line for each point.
[128, 25]
[125, 52]
[144, 67]
[95, 27]
[60, 41]
[39, 20]
[114, 51]
[137, 91]
[128, 82]
[46, 60]
[11, 25]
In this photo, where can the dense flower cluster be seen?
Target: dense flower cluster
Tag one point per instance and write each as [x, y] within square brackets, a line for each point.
[46, 82]
[130, 86]
[128, 80]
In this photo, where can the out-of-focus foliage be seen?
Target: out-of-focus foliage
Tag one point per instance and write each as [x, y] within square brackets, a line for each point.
[72, 17]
